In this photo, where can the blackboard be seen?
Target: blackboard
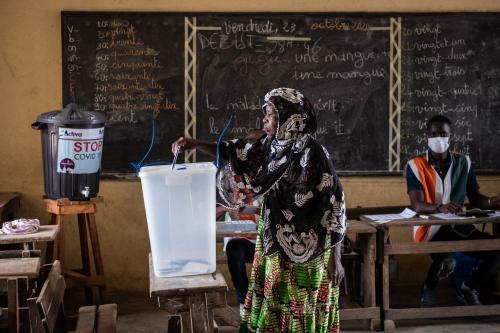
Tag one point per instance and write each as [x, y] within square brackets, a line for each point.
[374, 79]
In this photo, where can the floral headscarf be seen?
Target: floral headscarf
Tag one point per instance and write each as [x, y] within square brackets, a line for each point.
[303, 198]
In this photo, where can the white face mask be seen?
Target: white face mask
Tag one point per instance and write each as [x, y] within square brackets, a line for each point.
[439, 144]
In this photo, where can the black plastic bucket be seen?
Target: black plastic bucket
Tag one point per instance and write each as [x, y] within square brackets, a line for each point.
[72, 142]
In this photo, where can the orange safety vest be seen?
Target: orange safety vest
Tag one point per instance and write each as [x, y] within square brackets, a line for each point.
[439, 191]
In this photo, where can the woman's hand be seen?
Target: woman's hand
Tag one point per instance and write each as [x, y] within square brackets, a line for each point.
[335, 269]
[182, 144]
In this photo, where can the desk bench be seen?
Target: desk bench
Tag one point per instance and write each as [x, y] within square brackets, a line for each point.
[46, 233]
[15, 276]
[385, 249]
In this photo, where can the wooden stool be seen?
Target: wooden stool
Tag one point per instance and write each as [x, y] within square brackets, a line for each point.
[189, 300]
[85, 211]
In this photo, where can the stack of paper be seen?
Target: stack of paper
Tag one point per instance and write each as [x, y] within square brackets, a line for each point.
[382, 218]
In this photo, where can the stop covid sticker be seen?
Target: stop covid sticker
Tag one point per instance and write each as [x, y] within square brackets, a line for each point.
[79, 150]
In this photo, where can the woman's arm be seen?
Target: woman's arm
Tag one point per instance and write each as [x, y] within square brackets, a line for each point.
[335, 268]
[182, 144]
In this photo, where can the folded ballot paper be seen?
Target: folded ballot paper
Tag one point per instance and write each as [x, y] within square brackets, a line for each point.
[382, 218]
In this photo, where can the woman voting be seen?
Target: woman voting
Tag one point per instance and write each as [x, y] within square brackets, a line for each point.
[296, 268]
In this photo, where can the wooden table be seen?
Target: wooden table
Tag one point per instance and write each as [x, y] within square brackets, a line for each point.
[385, 250]
[188, 299]
[9, 204]
[15, 274]
[46, 233]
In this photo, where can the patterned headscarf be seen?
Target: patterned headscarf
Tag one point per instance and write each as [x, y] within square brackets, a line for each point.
[303, 199]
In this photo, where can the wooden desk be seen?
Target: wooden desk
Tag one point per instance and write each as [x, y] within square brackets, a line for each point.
[9, 204]
[13, 267]
[385, 249]
[46, 233]
[15, 274]
[188, 299]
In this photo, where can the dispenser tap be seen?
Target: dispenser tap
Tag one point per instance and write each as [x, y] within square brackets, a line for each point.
[86, 191]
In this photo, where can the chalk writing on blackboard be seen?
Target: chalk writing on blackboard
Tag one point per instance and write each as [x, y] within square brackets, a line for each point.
[368, 75]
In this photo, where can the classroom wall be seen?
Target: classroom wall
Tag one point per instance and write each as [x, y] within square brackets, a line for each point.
[30, 84]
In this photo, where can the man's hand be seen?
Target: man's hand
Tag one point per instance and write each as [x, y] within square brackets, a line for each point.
[449, 208]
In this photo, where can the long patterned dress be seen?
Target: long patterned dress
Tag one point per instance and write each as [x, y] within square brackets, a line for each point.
[290, 297]
[303, 214]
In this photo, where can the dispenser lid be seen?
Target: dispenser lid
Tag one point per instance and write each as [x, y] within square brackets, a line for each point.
[72, 115]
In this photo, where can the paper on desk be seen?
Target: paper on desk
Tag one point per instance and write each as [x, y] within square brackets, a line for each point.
[495, 214]
[382, 218]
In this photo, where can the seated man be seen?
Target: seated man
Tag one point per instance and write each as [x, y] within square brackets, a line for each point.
[239, 251]
[439, 182]
[462, 272]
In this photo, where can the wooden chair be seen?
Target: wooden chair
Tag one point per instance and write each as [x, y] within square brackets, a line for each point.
[47, 310]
